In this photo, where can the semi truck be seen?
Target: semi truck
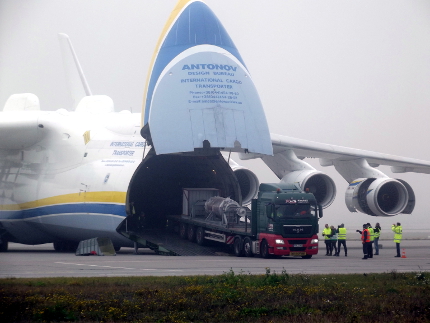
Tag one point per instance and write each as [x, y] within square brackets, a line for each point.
[282, 221]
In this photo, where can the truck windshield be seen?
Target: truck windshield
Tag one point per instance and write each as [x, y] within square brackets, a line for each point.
[284, 211]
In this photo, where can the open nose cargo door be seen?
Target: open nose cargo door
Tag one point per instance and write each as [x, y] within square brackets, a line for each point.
[199, 91]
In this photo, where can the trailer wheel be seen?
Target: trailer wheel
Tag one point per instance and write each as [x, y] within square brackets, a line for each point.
[200, 236]
[238, 247]
[183, 230]
[191, 232]
[247, 247]
[307, 257]
[264, 250]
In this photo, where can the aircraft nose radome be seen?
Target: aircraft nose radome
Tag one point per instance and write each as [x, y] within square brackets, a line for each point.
[192, 23]
[199, 89]
[197, 25]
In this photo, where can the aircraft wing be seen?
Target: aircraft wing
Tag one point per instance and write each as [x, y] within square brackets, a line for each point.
[370, 191]
[330, 154]
[19, 130]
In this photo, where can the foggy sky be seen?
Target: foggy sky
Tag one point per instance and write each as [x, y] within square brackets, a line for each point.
[349, 73]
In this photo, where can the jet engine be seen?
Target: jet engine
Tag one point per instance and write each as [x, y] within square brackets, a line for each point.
[380, 196]
[248, 182]
[318, 183]
[220, 205]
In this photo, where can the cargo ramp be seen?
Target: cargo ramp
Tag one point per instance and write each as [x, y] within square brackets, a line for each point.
[169, 243]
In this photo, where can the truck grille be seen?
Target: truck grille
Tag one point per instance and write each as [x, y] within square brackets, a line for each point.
[297, 242]
[297, 229]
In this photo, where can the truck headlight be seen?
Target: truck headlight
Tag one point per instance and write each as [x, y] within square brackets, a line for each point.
[279, 241]
[314, 241]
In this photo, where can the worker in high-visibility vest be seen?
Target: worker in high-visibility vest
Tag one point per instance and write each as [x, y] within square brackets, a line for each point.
[333, 239]
[397, 229]
[377, 231]
[341, 239]
[326, 234]
[365, 240]
[372, 239]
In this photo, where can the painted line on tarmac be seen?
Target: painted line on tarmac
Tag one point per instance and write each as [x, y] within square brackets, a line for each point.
[77, 264]
[113, 267]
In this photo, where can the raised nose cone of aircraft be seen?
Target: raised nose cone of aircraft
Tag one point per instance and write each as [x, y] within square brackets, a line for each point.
[200, 90]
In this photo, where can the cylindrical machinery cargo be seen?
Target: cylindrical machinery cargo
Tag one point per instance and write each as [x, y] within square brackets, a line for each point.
[220, 205]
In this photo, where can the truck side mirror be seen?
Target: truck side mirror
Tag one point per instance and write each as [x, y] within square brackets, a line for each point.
[320, 211]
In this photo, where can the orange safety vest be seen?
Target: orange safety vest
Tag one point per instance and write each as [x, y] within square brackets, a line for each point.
[367, 237]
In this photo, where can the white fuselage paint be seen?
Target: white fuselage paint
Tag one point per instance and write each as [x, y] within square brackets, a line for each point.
[70, 178]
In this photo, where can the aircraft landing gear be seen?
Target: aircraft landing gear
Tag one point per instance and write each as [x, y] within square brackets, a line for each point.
[65, 246]
[3, 245]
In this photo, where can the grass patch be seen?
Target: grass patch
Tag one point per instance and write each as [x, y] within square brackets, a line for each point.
[238, 297]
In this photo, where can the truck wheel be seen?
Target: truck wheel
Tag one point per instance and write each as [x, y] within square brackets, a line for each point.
[200, 236]
[307, 257]
[191, 233]
[247, 247]
[264, 250]
[183, 230]
[238, 247]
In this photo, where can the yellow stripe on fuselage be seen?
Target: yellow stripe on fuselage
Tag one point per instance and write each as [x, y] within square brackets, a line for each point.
[175, 13]
[89, 197]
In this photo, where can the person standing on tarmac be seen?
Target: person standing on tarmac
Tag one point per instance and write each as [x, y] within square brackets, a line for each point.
[372, 238]
[397, 229]
[326, 233]
[333, 239]
[341, 239]
[365, 240]
[377, 233]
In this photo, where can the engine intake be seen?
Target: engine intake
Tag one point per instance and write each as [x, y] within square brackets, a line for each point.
[379, 196]
[318, 183]
[248, 183]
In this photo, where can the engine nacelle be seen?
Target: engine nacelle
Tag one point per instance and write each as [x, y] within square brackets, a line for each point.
[248, 182]
[318, 183]
[380, 196]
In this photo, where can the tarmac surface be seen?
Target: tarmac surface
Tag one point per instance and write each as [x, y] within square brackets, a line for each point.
[23, 261]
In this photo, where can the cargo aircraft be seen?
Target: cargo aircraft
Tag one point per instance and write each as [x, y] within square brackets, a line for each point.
[67, 176]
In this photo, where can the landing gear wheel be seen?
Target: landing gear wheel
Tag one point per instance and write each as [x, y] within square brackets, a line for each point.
[200, 236]
[191, 232]
[237, 247]
[59, 246]
[71, 246]
[65, 246]
[183, 228]
[264, 250]
[247, 247]
[3, 245]
[307, 257]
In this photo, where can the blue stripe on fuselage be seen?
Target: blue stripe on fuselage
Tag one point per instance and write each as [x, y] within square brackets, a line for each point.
[100, 208]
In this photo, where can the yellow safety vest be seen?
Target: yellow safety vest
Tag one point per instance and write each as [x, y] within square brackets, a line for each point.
[372, 234]
[342, 234]
[378, 233]
[327, 232]
[397, 233]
